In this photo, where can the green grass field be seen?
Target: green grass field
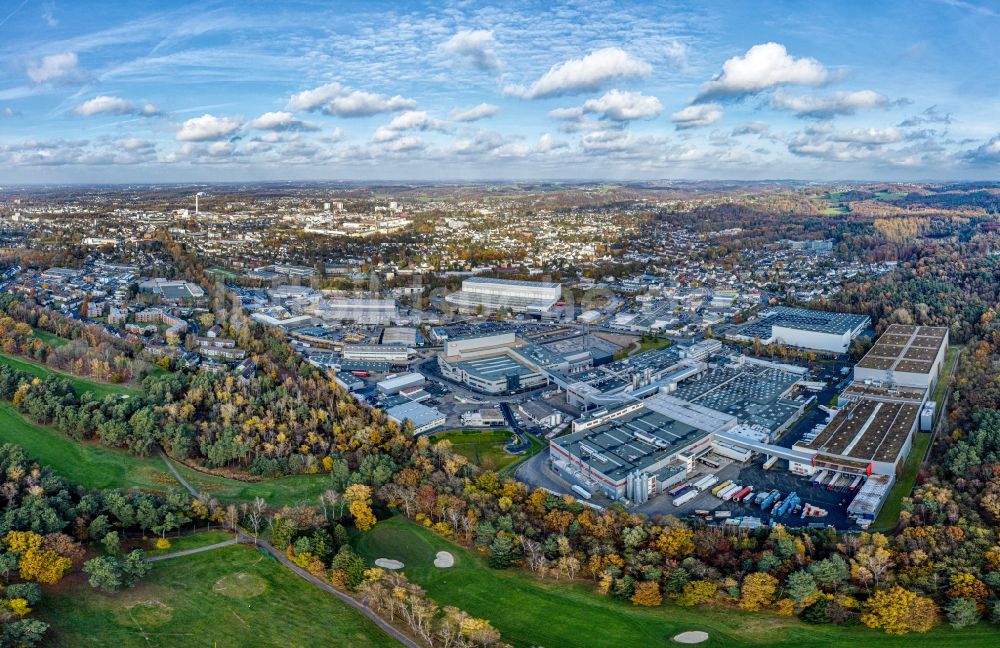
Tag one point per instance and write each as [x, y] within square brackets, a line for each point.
[481, 447]
[947, 369]
[80, 385]
[889, 515]
[533, 612]
[49, 338]
[88, 464]
[228, 597]
[276, 492]
[95, 466]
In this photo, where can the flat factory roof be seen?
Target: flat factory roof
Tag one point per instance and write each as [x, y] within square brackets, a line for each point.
[868, 430]
[804, 320]
[906, 348]
[633, 442]
[494, 367]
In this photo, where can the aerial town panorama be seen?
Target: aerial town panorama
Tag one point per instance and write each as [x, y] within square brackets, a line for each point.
[469, 325]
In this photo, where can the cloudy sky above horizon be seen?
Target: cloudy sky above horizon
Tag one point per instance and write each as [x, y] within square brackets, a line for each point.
[180, 91]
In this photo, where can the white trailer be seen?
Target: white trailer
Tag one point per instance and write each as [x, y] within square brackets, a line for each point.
[729, 491]
[706, 482]
[685, 498]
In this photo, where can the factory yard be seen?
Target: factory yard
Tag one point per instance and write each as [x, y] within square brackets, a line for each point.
[753, 474]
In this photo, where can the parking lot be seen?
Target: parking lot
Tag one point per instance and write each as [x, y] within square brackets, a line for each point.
[753, 474]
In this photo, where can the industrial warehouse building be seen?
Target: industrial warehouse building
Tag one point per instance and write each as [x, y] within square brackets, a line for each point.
[396, 384]
[484, 294]
[489, 364]
[424, 418]
[908, 356]
[651, 442]
[360, 311]
[824, 331]
[647, 441]
[874, 430]
[376, 353]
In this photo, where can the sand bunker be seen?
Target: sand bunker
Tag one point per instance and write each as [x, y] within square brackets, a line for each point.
[388, 563]
[691, 637]
[444, 560]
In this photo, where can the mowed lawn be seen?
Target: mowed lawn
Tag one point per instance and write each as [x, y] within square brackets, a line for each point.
[88, 464]
[481, 447]
[80, 385]
[225, 598]
[49, 338]
[95, 466]
[533, 612]
[283, 491]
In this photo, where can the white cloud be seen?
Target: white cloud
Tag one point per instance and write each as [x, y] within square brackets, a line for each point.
[474, 113]
[413, 120]
[677, 53]
[566, 113]
[697, 115]
[281, 121]
[751, 128]
[475, 46]
[107, 104]
[862, 144]
[406, 143]
[837, 103]
[313, 99]
[207, 128]
[762, 67]
[624, 106]
[7, 111]
[604, 141]
[340, 100]
[359, 103]
[480, 143]
[889, 135]
[583, 74]
[55, 67]
[930, 115]
[987, 153]
[547, 143]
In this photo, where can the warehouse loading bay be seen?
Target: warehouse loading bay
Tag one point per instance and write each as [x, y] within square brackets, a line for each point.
[752, 473]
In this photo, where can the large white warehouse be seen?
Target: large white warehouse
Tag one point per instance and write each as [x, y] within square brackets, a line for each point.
[494, 294]
[800, 327]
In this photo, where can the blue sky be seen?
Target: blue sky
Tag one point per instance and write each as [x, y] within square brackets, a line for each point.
[202, 91]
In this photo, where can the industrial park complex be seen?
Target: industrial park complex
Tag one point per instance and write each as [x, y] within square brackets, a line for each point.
[653, 395]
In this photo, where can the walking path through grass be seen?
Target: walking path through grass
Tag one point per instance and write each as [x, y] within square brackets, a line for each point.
[230, 597]
[194, 550]
[312, 580]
